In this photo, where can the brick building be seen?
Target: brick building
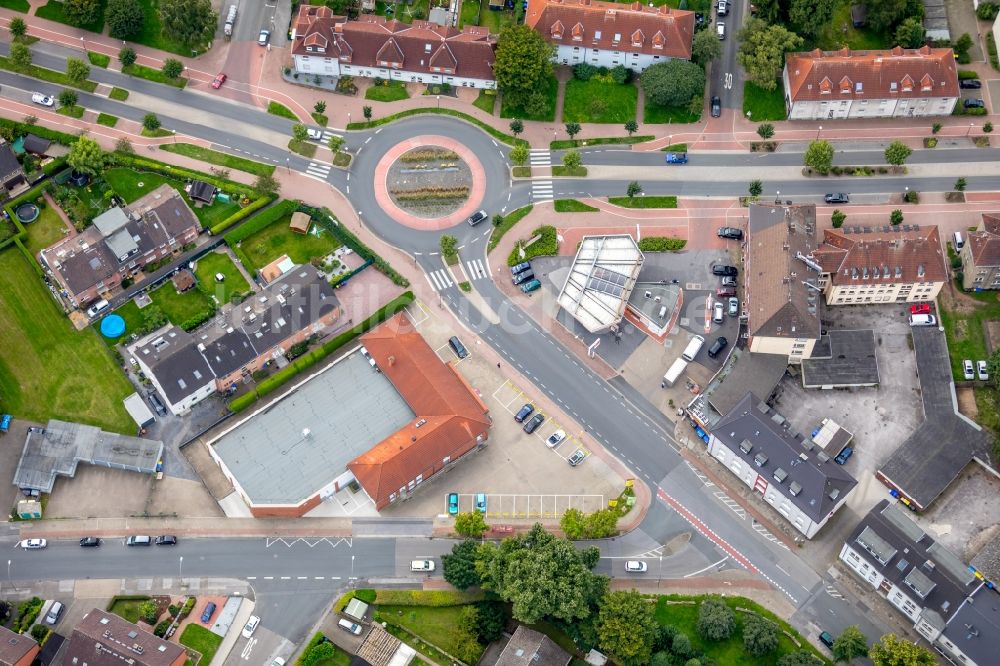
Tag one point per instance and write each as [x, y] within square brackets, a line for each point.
[104, 639]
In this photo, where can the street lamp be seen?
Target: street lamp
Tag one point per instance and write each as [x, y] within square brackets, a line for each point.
[659, 573]
[180, 567]
[439, 101]
[83, 44]
[818, 131]
[352, 557]
[287, 167]
[777, 196]
[348, 119]
[970, 130]
[9, 579]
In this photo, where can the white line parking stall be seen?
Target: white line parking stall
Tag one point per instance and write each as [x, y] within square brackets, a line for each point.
[527, 506]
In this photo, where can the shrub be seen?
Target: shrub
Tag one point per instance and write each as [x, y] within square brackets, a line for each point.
[837, 218]
[716, 620]
[188, 607]
[760, 636]
[661, 244]
[148, 611]
[264, 219]
[584, 71]
[547, 245]
[38, 632]
[987, 11]
[172, 68]
[161, 627]
[621, 74]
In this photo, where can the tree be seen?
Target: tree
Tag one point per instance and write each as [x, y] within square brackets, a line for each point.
[189, 22]
[960, 185]
[449, 248]
[716, 621]
[897, 152]
[837, 218]
[319, 107]
[82, 12]
[335, 143]
[126, 56]
[572, 129]
[77, 70]
[150, 122]
[626, 626]
[573, 523]
[765, 131]
[987, 127]
[885, 14]
[519, 155]
[266, 184]
[664, 638]
[20, 55]
[572, 159]
[491, 621]
[67, 98]
[896, 217]
[516, 127]
[810, 16]
[602, 523]
[962, 46]
[300, 132]
[542, 576]
[153, 317]
[895, 651]
[910, 34]
[681, 645]
[18, 28]
[760, 635]
[756, 187]
[460, 566]
[819, 155]
[124, 146]
[86, 156]
[472, 523]
[993, 367]
[661, 658]
[705, 47]
[633, 190]
[850, 643]
[673, 83]
[935, 128]
[800, 658]
[631, 127]
[762, 51]
[367, 112]
[147, 611]
[125, 18]
[172, 68]
[523, 63]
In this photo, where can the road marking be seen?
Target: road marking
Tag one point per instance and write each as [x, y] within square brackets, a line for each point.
[439, 279]
[541, 189]
[318, 169]
[710, 566]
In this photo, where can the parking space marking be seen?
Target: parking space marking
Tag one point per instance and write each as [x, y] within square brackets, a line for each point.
[517, 400]
[423, 311]
[520, 505]
[731, 503]
[449, 355]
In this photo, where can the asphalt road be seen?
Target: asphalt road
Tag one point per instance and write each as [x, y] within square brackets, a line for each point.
[726, 79]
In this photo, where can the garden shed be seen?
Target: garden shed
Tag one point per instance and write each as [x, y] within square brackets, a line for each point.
[183, 280]
[36, 144]
[300, 223]
[201, 191]
[356, 609]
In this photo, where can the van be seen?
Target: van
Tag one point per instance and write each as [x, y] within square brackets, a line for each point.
[54, 612]
[138, 541]
[923, 320]
[97, 308]
[422, 565]
[693, 348]
[959, 241]
[674, 372]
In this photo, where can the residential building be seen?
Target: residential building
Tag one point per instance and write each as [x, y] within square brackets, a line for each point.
[528, 647]
[187, 368]
[949, 606]
[895, 83]
[120, 243]
[599, 282]
[791, 472]
[17, 649]
[890, 264]
[12, 178]
[781, 284]
[608, 34]
[981, 255]
[104, 639]
[377, 47]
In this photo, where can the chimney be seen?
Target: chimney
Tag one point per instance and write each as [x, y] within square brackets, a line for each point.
[392, 361]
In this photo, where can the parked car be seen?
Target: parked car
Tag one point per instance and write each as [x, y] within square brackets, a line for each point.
[730, 232]
[826, 639]
[250, 626]
[677, 158]
[206, 614]
[699, 18]
[555, 439]
[729, 281]
[34, 544]
[635, 566]
[452, 503]
[166, 540]
[97, 307]
[278, 661]
[722, 269]
[481, 502]
[90, 542]
[716, 105]
[44, 100]
[347, 625]
[576, 458]
[734, 306]
[422, 565]
[717, 312]
[55, 610]
[844, 455]
[531, 286]
[520, 268]
[138, 540]
[533, 423]
[983, 372]
[970, 372]
[920, 308]
[263, 37]
[458, 347]
[219, 79]
[974, 104]
[720, 30]
[524, 412]
[837, 197]
[717, 346]
[725, 292]
[157, 404]
[523, 277]
[923, 320]
[970, 84]
[477, 217]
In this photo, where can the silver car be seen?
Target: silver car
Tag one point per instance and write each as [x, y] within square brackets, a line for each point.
[576, 458]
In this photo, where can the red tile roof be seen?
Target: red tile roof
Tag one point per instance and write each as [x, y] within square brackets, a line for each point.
[882, 257]
[449, 414]
[984, 245]
[610, 26]
[372, 40]
[891, 74]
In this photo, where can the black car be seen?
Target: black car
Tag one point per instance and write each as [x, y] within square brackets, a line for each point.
[90, 542]
[716, 106]
[532, 425]
[970, 84]
[519, 268]
[722, 269]
[523, 276]
[165, 540]
[974, 104]
[477, 217]
[730, 232]
[837, 197]
[717, 346]
[524, 413]
[458, 347]
[157, 404]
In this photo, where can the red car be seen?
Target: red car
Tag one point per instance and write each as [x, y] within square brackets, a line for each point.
[920, 308]
[219, 80]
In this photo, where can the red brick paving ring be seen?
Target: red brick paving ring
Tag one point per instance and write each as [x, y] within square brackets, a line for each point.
[385, 202]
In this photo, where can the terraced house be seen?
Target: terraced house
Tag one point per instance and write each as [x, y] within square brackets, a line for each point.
[981, 255]
[377, 47]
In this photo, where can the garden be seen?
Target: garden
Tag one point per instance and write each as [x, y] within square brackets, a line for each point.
[44, 231]
[201, 640]
[130, 184]
[187, 310]
[277, 239]
[234, 285]
[602, 98]
[544, 110]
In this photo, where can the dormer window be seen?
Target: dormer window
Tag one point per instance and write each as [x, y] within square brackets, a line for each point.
[659, 40]
[845, 85]
[637, 38]
[825, 86]
[907, 84]
[926, 83]
[427, 48]
[577, 32]
[557, 30]
[893, 87]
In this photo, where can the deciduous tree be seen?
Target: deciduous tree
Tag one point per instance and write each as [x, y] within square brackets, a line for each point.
[367, 112]
[68, 98]
[86, 156]
[716, 621]
[765, 131]
[572, 129]
[810, 16]
[82, 12]
[125, 18]
[460, 566]
[762, 51]
[151, 122]
[571, 159]
[20, 55]
[756, 187]
[126, 56]
[471, 523]
[884, 14]
[850, 643]
[673, 83]
[266, 184]
[190, 22]
[910, 34]
[523, 63]
[894, 651]
[896, 217]
[319, 107]
[172, 68]
[516, 127]
[837, 218]
[897, 152]
[819, 155]
[800, 658]
[77, 70]
[491, 621]
[18, 28]
[705, 47]
[573, 523]
[626, 627]
[519, 155]
[633, 190]
[300, 132]
[760, 635]
[335, 143]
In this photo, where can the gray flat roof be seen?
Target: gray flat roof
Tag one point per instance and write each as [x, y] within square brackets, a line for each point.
[849, 361]
[750, 373]
[60, 446]
[294, 446]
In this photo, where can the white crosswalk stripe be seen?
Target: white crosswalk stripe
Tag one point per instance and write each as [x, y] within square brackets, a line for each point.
[318, 170]
[327, 134]
[541, 189]
[540, 157]
[475, 269]
[439, 279]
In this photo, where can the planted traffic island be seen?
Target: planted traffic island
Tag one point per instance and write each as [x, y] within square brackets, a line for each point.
[429, 182]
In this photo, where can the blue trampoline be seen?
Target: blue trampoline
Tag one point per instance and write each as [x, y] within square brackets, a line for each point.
[112, 326]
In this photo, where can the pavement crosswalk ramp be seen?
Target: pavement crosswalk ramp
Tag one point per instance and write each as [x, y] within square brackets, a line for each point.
[476, 270]
[540, 157]
[318, 169]
[541, 189]
[439, 279]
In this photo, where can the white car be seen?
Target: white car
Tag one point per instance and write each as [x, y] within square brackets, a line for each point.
[250, 626]
[718, 312]
[263, 37]
[34, 544]
[278, 661]
[720, 29]
[969, 372]
[635, 566]
[983, 374]
[555, 439]
[314, 134]
[44, 100]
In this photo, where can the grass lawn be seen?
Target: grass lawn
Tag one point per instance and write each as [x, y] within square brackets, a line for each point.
[964, 328]
[99, 59]
[217, 158]
[340, 658]
[654, 114]
[509, 220]
[50, 75]
[395, 91]
[486, 102]
[575, 172]
[153, 75]
[495, 21]
[152, 31]
[127, 609]
[594, 101]
[107, 119]
[560, 144]
[551, 89]
[215, 262]
[44, 231]
[304, 148]
[988, 404]
[439, 626]
[277, 239]
[279, 109]
[47, 368]
[54, 11]
[202, 640]
[119, 94]
[470, 13]
[74, 111]
[840, 31]
[126, 182]
[573, 206]
[180, 308]
[644, 202]
[764, 104]
[16, 5]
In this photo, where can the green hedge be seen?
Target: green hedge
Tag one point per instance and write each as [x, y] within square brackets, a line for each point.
[139, 162]
[265, 219]
[547, 245]
[427, 597]
[326, 218]
[313, 642]
[20, 129]
[661, 244]
[242, 213]
[306, 361]
[55, 165]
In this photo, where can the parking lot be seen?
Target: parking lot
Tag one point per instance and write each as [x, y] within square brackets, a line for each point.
[500, 505]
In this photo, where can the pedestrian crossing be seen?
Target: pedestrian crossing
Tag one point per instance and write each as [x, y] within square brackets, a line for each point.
[440, 279]
[326, 136]
[476, 270]
[318, 169]
[540, 157]
[541, 189]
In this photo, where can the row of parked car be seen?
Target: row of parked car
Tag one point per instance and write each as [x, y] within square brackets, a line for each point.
[522, 276]
[554, 440]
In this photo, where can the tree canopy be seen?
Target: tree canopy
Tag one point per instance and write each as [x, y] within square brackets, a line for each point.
[705, 47]
[800, 658]
[86, 156]
[760, 635]
[894, 651]
[626, 626]
[189, 22]
[762, 51]
[470, 523]
[523, 62]
[884, 14]
[897, 152]
[910, 34]
[673, 83]
[716, 620]
[810, 16]
[82, 11]
[819, 155]
[849, 644]
[124, 17]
